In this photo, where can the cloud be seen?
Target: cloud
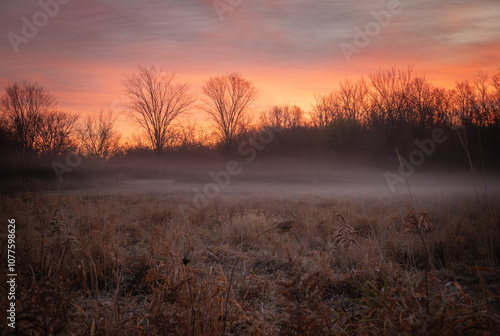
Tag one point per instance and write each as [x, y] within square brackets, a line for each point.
[88, 44]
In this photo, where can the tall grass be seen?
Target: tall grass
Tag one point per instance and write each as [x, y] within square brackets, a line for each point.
[137, 265]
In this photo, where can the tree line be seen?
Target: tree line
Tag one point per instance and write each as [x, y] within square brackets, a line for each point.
[385, 111]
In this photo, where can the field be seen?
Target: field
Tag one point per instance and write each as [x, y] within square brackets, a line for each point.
[138, 264]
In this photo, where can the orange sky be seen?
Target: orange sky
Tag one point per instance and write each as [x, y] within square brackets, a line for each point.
[289, 49]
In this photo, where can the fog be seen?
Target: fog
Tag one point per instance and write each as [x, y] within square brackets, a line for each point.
[282, 177]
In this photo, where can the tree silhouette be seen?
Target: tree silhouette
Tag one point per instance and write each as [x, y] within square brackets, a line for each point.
[466, 106]
[154, 101]
[228, 99]
[323, 111]
[98, 137]
[56, 129]
[390, 97]
[284, 116]
[348, 103]
[24, 106]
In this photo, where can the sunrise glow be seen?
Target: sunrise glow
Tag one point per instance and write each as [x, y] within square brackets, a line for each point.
[80, 50]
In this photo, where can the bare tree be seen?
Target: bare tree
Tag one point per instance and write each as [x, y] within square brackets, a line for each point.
[284, 116]
[295, 117]
[494, 108]
[482, 86]
[428, 106]
[274, 118]
[442, 102]
[98, 137]
[494, 100]
[227, 102]
[466, 105]
[390, 99]
[323, 111]
[154, 101]
[352, 99]
[56, 129]
[348, 103]
[189, 136]
[24, 106]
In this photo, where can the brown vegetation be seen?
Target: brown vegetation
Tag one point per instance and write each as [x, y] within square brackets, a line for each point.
[138, 265]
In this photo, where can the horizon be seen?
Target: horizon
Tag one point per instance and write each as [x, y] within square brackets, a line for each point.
[80, 51]
[126, 126]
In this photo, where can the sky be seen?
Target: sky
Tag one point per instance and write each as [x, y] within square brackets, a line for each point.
[291, 50]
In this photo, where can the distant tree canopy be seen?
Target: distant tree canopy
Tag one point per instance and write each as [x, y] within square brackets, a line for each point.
[388, 109]
[398, 103]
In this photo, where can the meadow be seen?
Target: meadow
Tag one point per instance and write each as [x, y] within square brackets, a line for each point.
[138, 264]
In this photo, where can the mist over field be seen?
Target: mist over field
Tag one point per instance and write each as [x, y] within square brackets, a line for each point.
[284, 177]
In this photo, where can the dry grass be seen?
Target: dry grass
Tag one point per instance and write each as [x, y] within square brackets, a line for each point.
[137, 265]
